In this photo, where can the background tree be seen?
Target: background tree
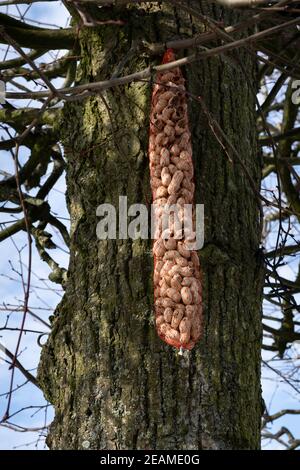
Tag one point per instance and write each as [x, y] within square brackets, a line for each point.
[112, 382]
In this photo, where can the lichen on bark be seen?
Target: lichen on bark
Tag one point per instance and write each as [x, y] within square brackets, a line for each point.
[112, 381]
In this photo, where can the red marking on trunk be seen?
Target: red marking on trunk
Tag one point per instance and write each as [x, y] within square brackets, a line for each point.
[169, 56]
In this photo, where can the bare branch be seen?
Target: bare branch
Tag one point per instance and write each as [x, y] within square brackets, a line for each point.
[18, 364]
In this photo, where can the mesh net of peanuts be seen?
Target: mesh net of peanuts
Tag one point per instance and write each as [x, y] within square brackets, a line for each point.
[177, 275]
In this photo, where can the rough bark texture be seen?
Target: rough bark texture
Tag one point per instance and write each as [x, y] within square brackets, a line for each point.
[114, 384]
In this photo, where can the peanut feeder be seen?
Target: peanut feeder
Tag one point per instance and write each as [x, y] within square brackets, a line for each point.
[177, 275]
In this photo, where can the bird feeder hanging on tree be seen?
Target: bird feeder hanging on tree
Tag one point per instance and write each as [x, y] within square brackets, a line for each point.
[177, 275]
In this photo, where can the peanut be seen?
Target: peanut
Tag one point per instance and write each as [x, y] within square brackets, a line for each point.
[163, 328]
[160, 202]
[175, 183]
[184, 337]
[189, 174]
[157, 292]
[178, 235]
[157, 233]
[182, 165]
[181, 201]
[163, 288]
[183, 251]
[167, 113]
[167, 77]
[159, 320]
[161, 139]
[175, 150]
[158, 266]
[175, 282]
[184, 140]
[172, 169]
[173, 294]
[157, 124]
[166, 96]
[188, 281]
[186, 271]
[151, 142]
[195, 259]
[188, 195]
[197, 283]
[168, 314]
[166, 234]
[154, 158]
[156, 278]
[180, 126]
[175, 100]
[161, 105]
[175, 161]
[167, 302]
[161, 191]
[197, 298]
[170, 244]
[190, 235]
[181, 261]
[159, 311]
[172, 199]
[186, 295]
[188, 184]
[191, 311]
[172, 334]
[155, 182]
[198, 275]
[199, 311]
[174, 270]
[169, 130]
[165, 176]
[185, 155]
[185, 325]
[159, 248]
[167, 267]
[171, 255]
[164, 157]
[176, 319]
[157, 171]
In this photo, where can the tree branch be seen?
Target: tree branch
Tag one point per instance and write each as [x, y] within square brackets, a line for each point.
[18, 62]
[29, 36]
[18, 364]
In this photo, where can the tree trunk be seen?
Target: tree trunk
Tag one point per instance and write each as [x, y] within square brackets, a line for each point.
[114, 384]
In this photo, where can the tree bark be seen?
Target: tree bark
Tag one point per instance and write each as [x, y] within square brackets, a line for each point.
[114, 384]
